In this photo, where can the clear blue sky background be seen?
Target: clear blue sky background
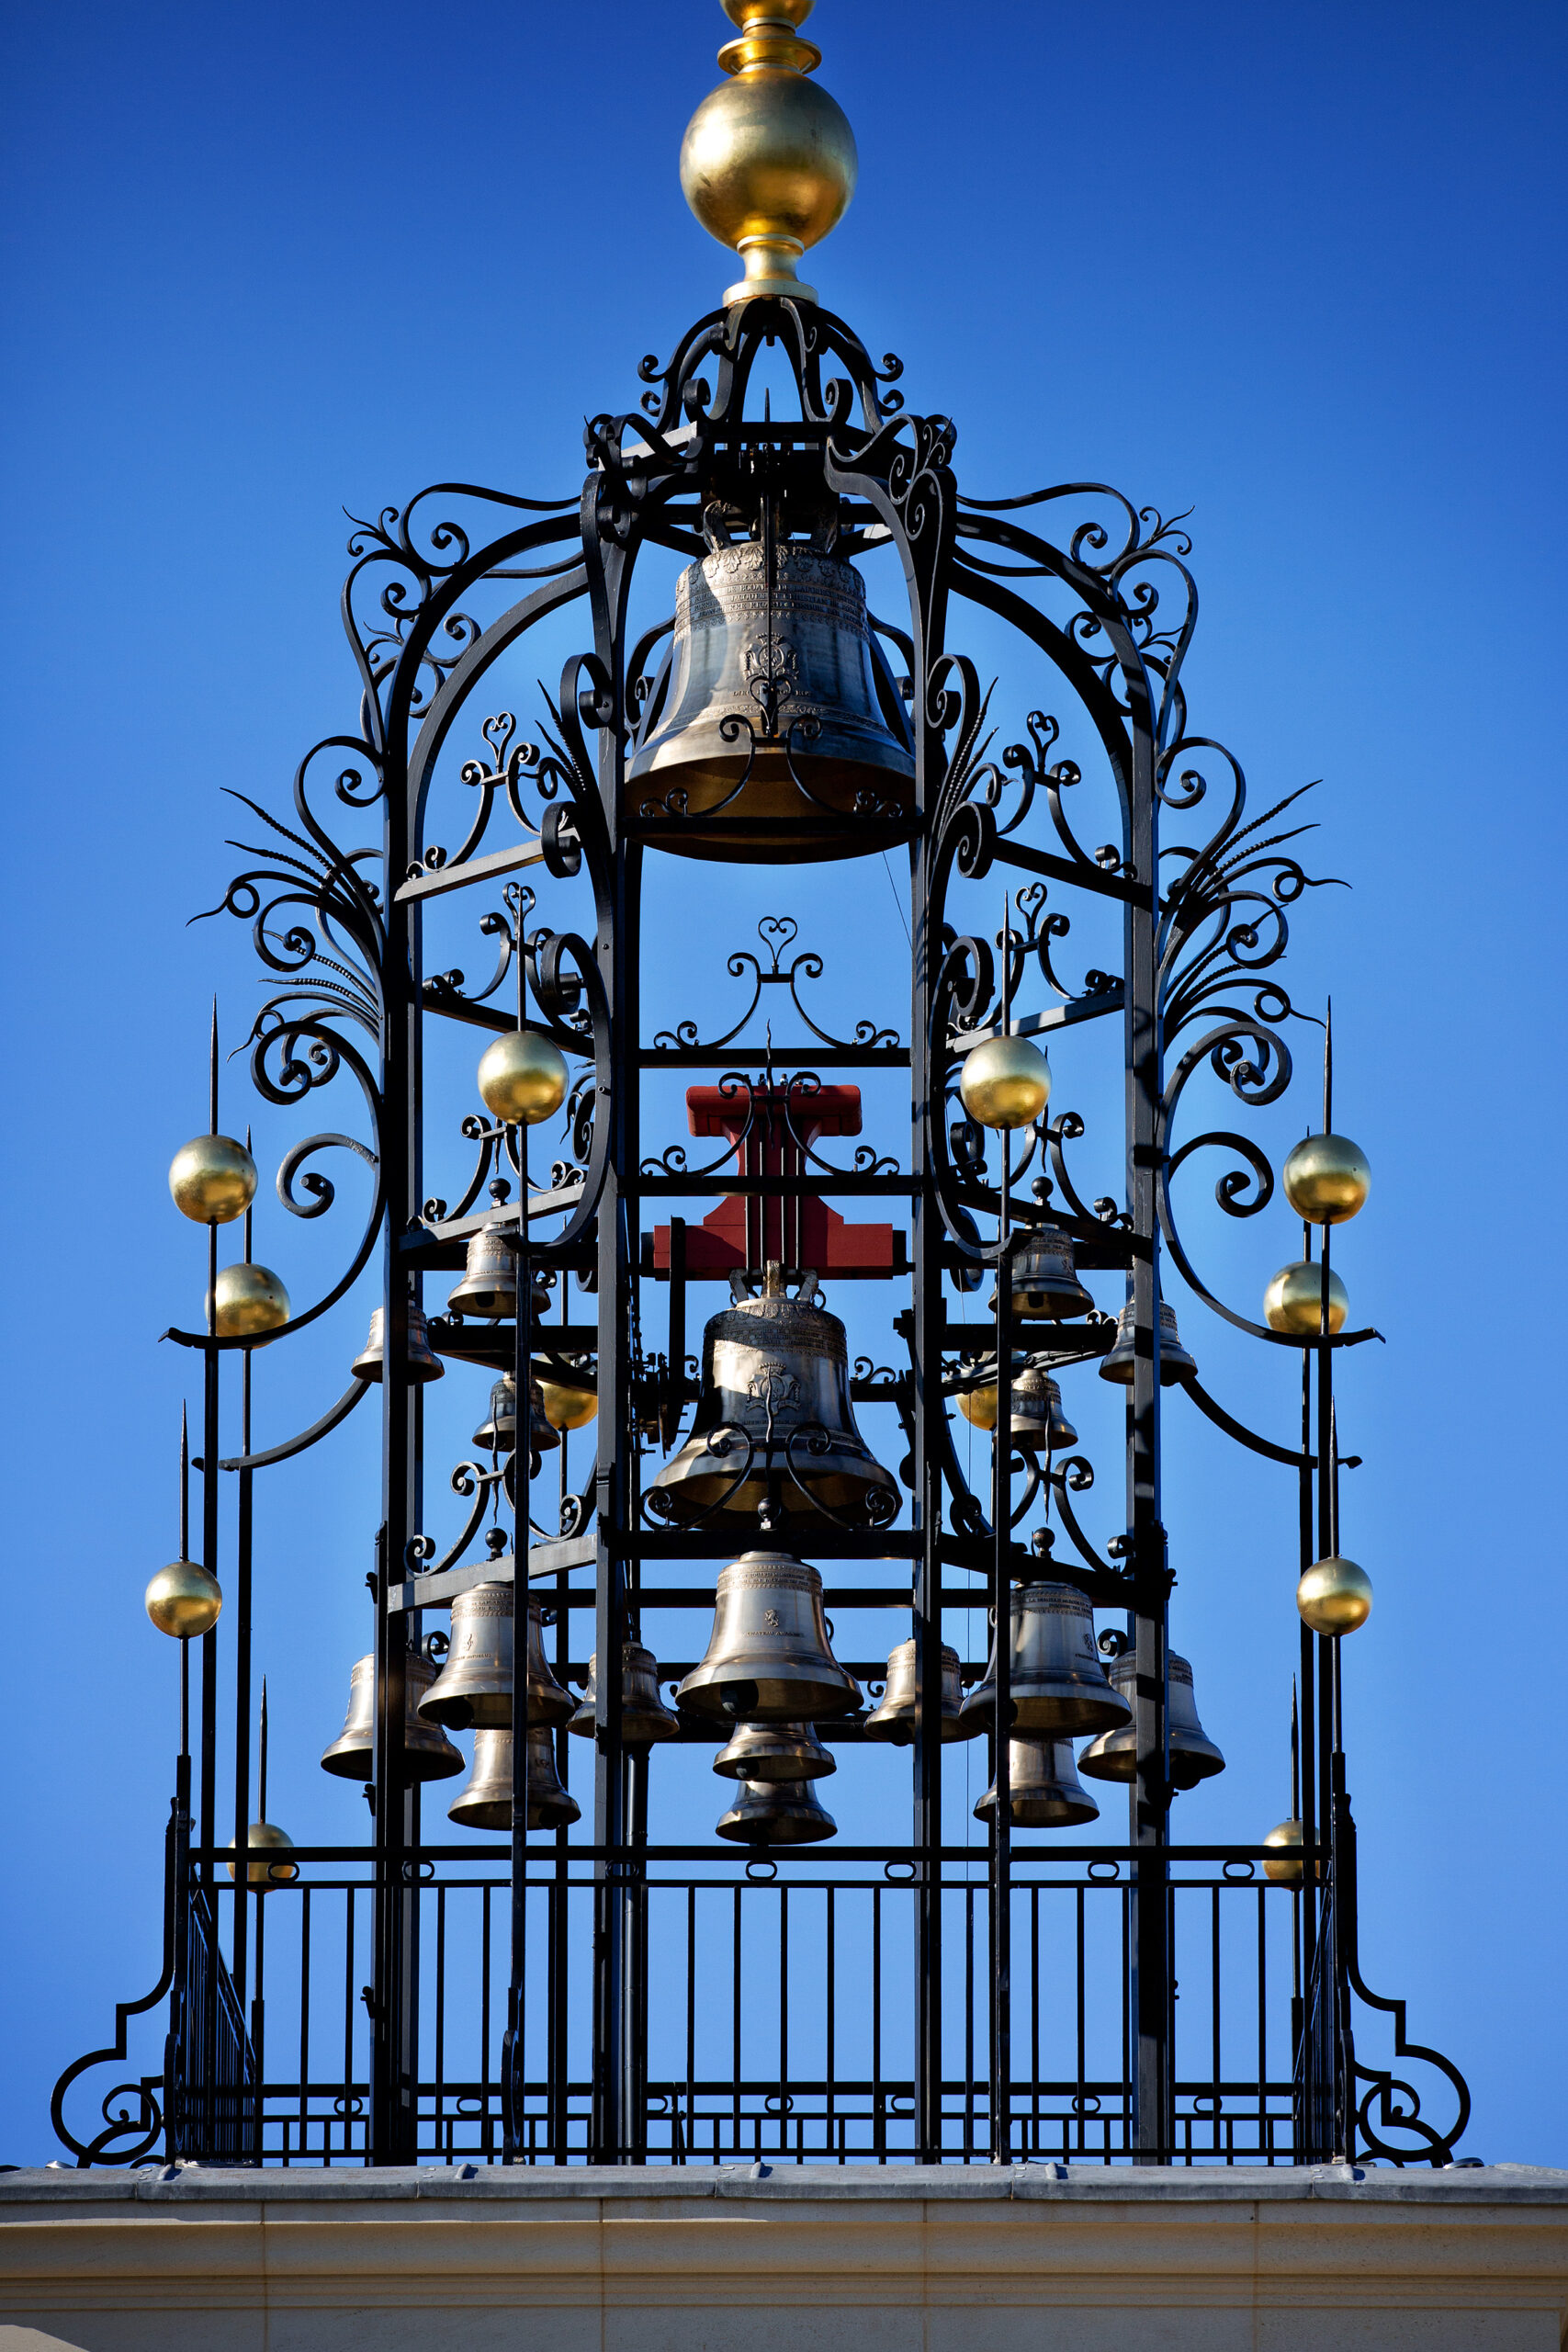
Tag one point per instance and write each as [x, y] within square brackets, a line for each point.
[1298, 269]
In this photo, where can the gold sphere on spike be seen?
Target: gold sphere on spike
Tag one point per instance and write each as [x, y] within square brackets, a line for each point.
[184, 1600]
[980, 1406]
[1284, 1836]
[566, 1408]
[247, 1301]
[1334, 1597]
[522, 1077]
[1293, 1300]
[212, 1179]
[1326, 1179]
[267, 1844]
[768, 164]
[1006, 1082]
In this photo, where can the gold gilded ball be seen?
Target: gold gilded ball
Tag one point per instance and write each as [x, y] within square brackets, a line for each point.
[212, 1179]
[1293, 1300]
[769, 156]
[1006, 1082]
[1326, 1179]
[184, 1600]
[1283, 1835]
[247, 1301]
[1334, 1597]
[268, 1841]
[566, 1408]
[522, 1077]
[980, 1406]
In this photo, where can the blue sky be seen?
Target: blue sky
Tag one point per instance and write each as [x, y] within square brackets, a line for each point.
[1299, 269]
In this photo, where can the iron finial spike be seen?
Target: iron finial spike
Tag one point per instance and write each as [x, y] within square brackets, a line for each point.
[261, 1767]
[184, 1482]
[1328, 1071]
[212, 1075]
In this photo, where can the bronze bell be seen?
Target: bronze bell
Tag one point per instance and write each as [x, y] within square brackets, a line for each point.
[473, 1690]
[1038, 1420]
[1059, 1684]
[894, 1717]
[496, 1434]
[776, 1813]
[428, 1753]
[484, 1801]
[489, 1287]
[775, 1752]
[644, 1716]
[1043, 1791]
[769, 1659]
[771, 640]
[1045, 1286]
[423, 1365]
[775, 1367]
[1193, 1755]
[1174, 1363]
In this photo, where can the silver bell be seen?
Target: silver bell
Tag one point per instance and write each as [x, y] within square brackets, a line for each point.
[1059, 1684]
[896, 1716]
[1193, 1755]
[769, 1658]
[776, 1813]
[1043, 1791]
[774, 1752]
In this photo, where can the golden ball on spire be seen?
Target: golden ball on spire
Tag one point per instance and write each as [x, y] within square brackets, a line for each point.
[212, 1179]
[1326, 1179]
[1334, 1597]
[1293, 1300]
[184, 1600]
[248, 1300]
[1006, 1082]
[768, 164]
[522, 1077]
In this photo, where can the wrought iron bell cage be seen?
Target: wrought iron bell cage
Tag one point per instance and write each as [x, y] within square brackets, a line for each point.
[611, 1987]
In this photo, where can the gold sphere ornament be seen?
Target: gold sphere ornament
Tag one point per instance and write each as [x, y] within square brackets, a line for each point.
[266, 1839]
[1334, 1597]
[522, 1077]
[1006, 1082]
[212, 1179]
[566, 1408]
[184, 1600]
[1282, 1839]
[979, 1407]
[1327, 1180]
[768, 164]
[247, 1301]
[1293, 1300]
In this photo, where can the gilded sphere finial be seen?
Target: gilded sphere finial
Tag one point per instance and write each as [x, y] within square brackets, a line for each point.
[248, 1300]
[269, 1845]
[1327, 1180]
[1334, 1597]
[522, 1077]
[1286, 1840]
[212, 1179]
[566, 1408]
[1293, 1300]
[184, 1600]
[1006, 1082]
[768, 164]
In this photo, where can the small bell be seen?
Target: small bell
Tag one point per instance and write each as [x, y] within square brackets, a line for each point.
[894, 1719]
[1193, 1755]
[1038, 1420]
[776, 1380]
[1059, 1684]
[1174, 1363]
[776, 1813]
[1043, 1791]
[774, 1752]
[489, 1287]
[644, 1716]
[428, 1753]
[1045, 1286]
[473, 1690]
[769, 1658]
[423, 1365]
[496, 1434]
[484, 1801]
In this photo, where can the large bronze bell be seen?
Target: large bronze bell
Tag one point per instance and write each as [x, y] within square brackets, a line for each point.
[776, 1813]
[1045, 1286]
[774, 1752]
[423, 1365]
[473, 1690]
[896, 1717]
[776, 1380]
[1193, 1755]
[428, 1753]
[772, 663]
[496, 1434]
[1043, 1791]
[769, 1659]
[1059, 1684]
[484, 1801]
[644, 1716]
[489, 1287]
[1174, 1363]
